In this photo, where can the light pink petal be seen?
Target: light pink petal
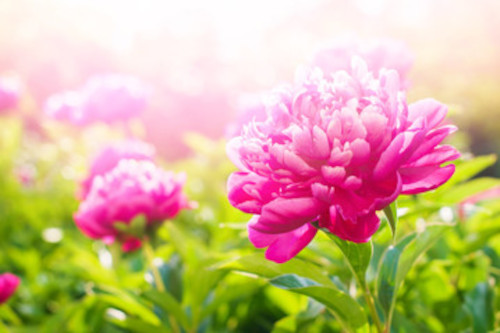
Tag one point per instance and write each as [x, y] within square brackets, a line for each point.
[431, 110]
[8, 285]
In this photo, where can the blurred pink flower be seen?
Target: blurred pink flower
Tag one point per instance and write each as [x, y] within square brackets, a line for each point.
[8, 285]
[250, 107]
[9, 93]
[379, 53]
[335, 149]
[104, 98]
[109, 157]
[131, 189]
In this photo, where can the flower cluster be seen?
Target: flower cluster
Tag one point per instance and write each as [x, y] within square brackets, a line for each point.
[105, 98]
[334, 149]
[8, 285]
[133, 189]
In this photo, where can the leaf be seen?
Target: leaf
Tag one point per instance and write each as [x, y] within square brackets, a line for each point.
[168, 304]
[130, 304]
[392, 217]
[461, 192]
[480, 303]
[386, 278]
[343, 306]
[256, 264]
[469, 168]
[358, 255]
[398, 260]
[137, 325]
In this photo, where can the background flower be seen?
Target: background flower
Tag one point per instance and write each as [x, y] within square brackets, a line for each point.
[109, 157]
[377, 53]
[335, 149]
[8, 285]
[9, 93]
[131, 189]
[107, 98]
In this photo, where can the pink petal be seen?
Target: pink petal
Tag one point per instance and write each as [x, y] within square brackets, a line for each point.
[287, 214]
[359, 231]
[289, 244]
[418, 180]
[431, 110]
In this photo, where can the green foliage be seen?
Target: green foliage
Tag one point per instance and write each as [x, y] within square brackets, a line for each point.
[439, 272]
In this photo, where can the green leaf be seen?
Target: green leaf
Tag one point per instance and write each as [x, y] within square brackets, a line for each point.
[461, 192]
[168, 304]
[422, 241]
[398, 260]
[128, 303]
[258, 265]
[358, 255]
[138, 225]
[386, 277]
[137, 325]
[469, 168]
[480, 303]
[343, 306]
[392, 217]
[121, 226]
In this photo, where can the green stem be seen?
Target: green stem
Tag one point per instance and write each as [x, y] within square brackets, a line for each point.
[150, 256]
[371, 306]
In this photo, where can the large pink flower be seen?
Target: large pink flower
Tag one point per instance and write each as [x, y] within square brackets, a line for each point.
[335, 149]
[378, 54]
[104, 98]
[131, 189]
[109, 157]
[8, 285]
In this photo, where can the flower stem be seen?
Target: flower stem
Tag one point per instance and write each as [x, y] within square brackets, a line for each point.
[371, 306]
[150, 256]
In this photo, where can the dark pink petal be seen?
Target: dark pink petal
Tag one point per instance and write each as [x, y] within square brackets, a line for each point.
[283, 247]
[431, 140]
[248, 192]
[438, 156]
[287, 214]
[396, 153]
[422, 179]
[358, 231]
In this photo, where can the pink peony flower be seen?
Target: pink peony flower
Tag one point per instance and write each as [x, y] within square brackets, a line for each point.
[8, 285]
[104, 98]
[335, 149]
[109, 157]
[131, 189]
[378, 54]
[9, 93]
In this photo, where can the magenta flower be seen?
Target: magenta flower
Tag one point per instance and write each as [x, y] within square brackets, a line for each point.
[105, 98]
[8, 285]
[378, 54]
[335, 149]
[9, 93]
[109, 157]
[131, 189]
